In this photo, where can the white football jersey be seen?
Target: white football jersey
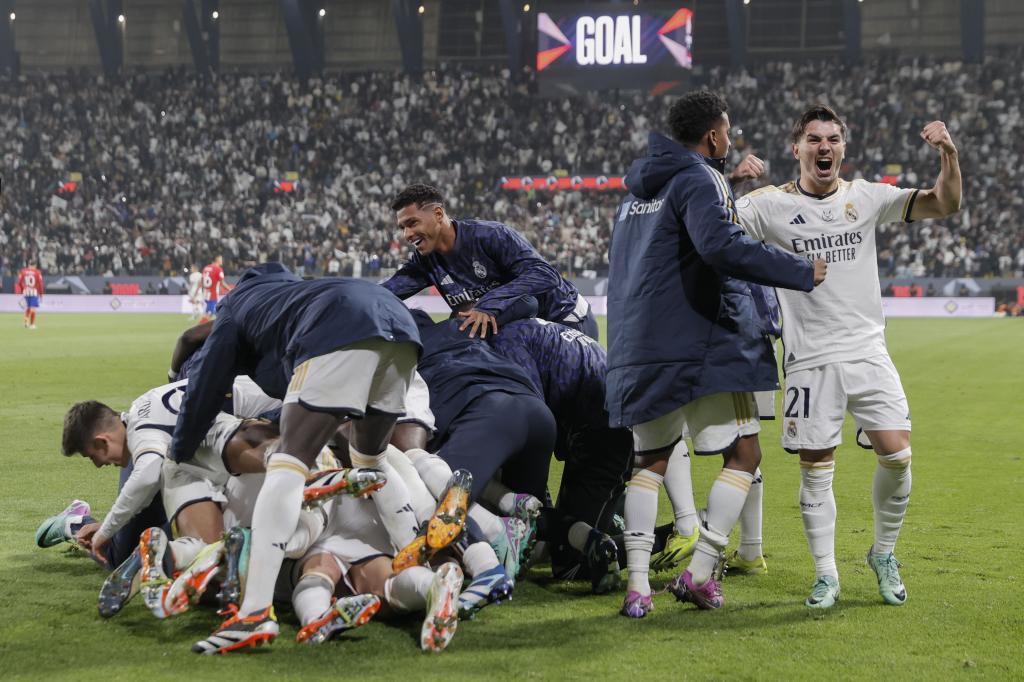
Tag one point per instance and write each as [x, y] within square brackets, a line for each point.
[151, 419]
[842, 318]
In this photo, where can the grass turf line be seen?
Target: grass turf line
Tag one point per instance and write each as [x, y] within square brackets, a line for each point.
[960, 545]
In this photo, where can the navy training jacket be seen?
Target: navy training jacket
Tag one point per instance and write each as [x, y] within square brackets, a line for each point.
[682, 323]
[458, 370]
[272, 322]
[491, 266]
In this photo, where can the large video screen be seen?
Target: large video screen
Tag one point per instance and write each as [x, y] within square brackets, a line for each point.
[606, 46]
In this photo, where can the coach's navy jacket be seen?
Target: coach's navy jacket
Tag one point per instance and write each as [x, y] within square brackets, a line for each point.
[492, 266]
[272, 322]
[458, 370]
[681, 323]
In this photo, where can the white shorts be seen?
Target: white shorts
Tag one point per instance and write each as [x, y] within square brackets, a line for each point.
[184, 486]
[354, 533]
[816, 400]
[204, 477]
[714, 422]
[417, 404]
[372, 374]
[765, 404]
[241, 492]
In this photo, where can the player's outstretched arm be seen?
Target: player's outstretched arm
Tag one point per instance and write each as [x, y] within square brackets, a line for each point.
[944, 198]
[409, 280]
[723, 244]
[208, 383]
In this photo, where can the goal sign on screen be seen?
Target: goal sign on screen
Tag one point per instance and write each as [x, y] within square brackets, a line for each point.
[607, 46]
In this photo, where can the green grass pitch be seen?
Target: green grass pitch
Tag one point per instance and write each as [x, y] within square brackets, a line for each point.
[961, 546]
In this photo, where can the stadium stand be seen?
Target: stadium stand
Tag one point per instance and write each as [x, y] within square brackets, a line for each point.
[175, 169]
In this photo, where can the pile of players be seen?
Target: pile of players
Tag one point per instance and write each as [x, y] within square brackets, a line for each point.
[324, 443]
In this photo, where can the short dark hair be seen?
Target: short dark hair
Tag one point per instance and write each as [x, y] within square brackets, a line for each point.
[82, 422]
[694, 114]
[819, 112]
[419, 194]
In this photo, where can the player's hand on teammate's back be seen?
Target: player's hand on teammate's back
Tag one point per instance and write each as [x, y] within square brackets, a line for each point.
[478, 321]
[820, 270]
[936, 135]
[750, 168]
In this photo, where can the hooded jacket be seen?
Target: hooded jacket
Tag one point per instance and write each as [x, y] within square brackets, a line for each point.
[682, 323]
[271, 323]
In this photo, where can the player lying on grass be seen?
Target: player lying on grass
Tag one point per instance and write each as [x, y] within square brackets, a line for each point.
[836, 360]
[355, 555]
[330, 349]
[192, 502]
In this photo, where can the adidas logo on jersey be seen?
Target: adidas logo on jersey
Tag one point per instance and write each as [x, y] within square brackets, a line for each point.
[798, 220]
[447, 279]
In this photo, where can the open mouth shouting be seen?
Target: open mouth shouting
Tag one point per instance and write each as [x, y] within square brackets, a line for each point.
[823, 166]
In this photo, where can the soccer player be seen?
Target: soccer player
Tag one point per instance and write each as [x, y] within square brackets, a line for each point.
[196, 292]
[569, 369]
[479, 267]
[686, 347]
[213, 287]
[331, 349]
[30, 284]
[836, 360]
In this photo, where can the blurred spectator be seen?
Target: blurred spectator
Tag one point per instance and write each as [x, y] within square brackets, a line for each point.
[176, 169]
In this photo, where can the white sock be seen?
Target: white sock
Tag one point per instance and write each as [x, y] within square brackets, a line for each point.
[308, 530]
[69, 522]
[479, 558]
[185, 550]
[818, 511]
[500, 495]
[273, 522]
[679, 486]
[578, 534]
[312, 596]
[490, 524]
[725, 500]
[423, 503]
[750, 519]
[408, 590]
[393, 501]
[433, 470]
[641, 512]
[890, 492]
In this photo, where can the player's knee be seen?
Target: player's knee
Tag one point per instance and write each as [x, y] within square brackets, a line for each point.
[896, 460]
[826, 455]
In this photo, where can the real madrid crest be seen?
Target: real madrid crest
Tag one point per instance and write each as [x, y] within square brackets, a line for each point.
[791, 429]
[479, 270]
[851, 213]
[827, 215]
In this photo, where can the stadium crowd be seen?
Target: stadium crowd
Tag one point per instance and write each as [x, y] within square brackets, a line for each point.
[176, 170]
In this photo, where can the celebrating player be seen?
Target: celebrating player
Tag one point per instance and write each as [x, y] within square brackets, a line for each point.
[686, 346]
[30, 285]
[331, 349]
[480, 268]
[836, 359]
[213, 287]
